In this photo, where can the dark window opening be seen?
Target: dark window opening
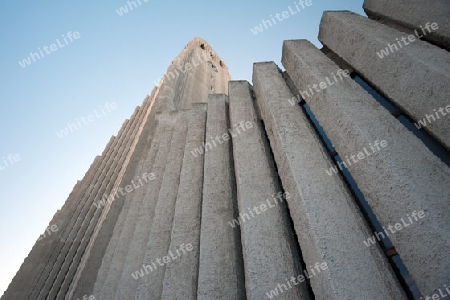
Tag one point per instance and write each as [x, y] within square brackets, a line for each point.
[213, 66]
[202, 46]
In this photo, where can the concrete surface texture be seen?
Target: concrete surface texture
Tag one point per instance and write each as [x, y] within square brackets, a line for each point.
[150, 286]
[267, 241]
[319, 202]
[414, 75]
[412, 14]
[220, 243]
[240, 204]
[345, 109]
[180, 278]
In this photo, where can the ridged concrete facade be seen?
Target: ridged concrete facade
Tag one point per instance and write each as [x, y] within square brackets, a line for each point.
[229, 188]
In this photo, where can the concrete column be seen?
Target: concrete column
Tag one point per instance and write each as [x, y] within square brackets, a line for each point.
[415, 75]
[110, 236]
[117, 249]
[411, 14]
[151, 285]
[127, 285]
[267, 240]
[111, 269]
[221, 273]
[328, 223]
[399, 179]
[181, 276]
[104, 268]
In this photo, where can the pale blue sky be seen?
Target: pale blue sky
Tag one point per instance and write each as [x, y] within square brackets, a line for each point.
[116, 59]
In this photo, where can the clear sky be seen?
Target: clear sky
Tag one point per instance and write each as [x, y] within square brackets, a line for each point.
[113, 59]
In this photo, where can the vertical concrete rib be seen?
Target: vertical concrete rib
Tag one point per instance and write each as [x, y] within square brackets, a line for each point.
[220, 244]
[143, 160]
[91, 221]
[123, 231]
[398, 180]
[269, 258]
[320, 202]
[127, 286]
[412, 14]
[151, 285]
[415, 75]
[129, 200]
[181, 276]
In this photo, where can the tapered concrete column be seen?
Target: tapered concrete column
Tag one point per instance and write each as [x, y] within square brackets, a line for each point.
[180, 280]
[104, 269]
[399, 179]
[267, 239]
[133, 215]
[111, 269]
[120, 239]
[414, 75]
[151, 285]
[412, 14]
[127, 285]
[328, 223]
[220, 243]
